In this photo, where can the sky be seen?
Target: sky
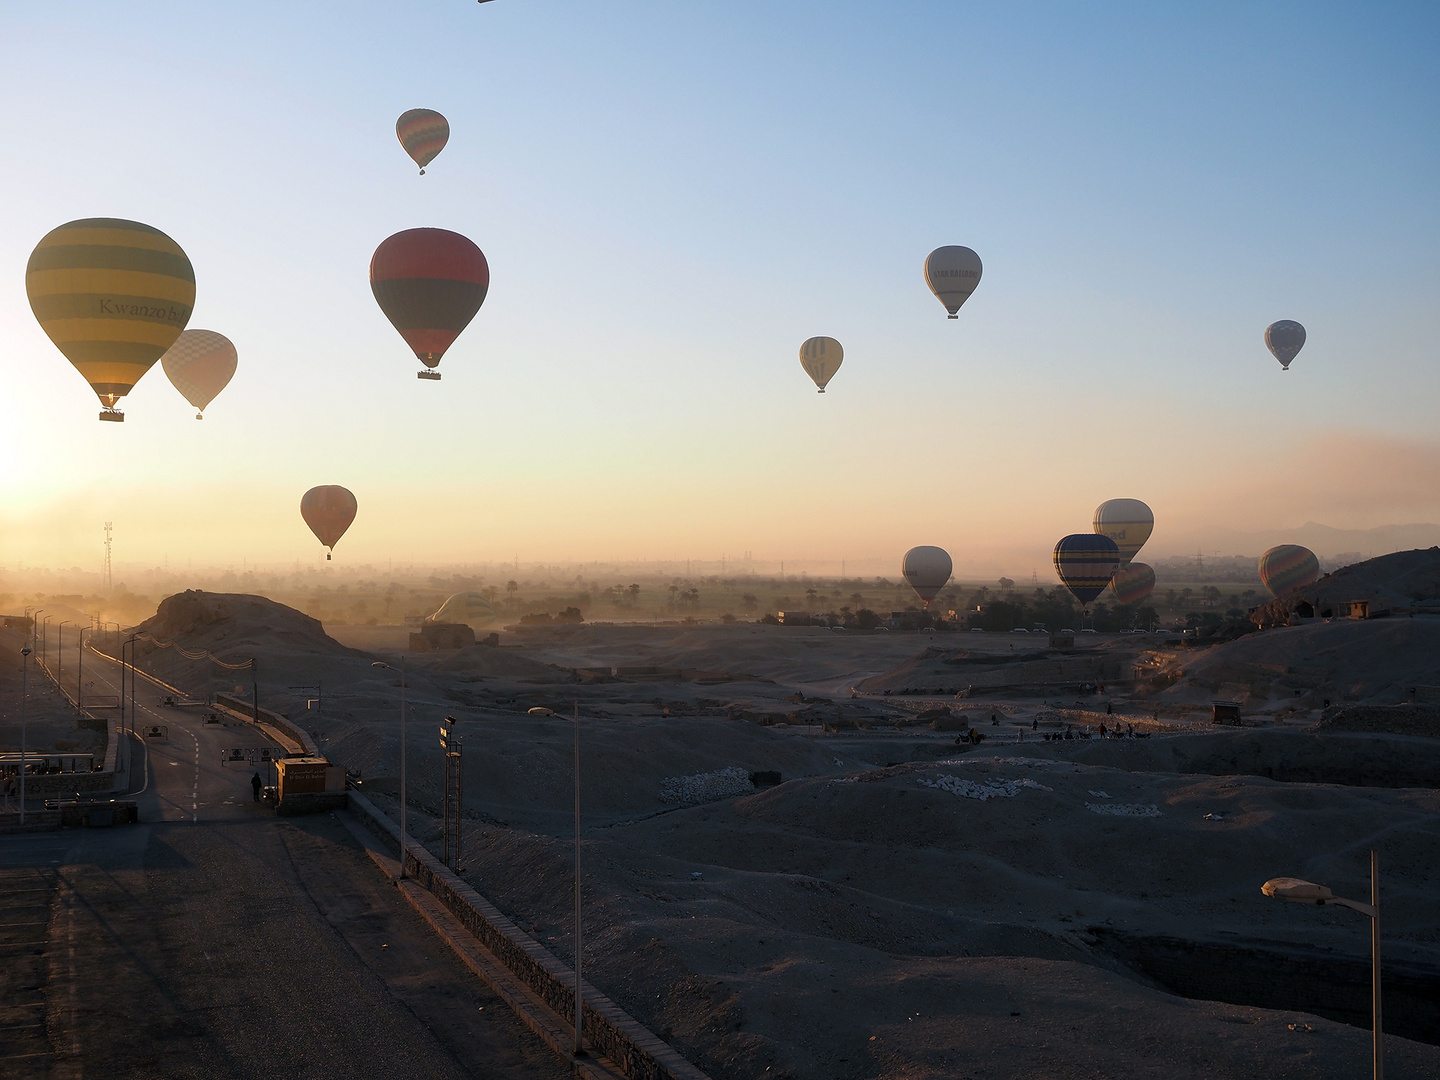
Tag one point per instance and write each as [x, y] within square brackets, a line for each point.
[672, 197]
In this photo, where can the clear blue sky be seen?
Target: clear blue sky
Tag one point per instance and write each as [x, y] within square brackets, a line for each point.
[672, 196]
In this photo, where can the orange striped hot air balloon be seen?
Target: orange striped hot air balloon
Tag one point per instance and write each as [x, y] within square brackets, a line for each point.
[328, 510]
[423, 133]
[112, 295]
[430, 283]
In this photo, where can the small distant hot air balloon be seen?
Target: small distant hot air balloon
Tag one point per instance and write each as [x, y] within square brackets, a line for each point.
[821, 357]
[200, 364]
[927, 569]
[1133, 583]
[1288, 566]
[952, 273]
[112, 295]
[1285, 338]
[423, 133]
[1128, 522]
[430, 283]
[328, 510]
[1086, 562]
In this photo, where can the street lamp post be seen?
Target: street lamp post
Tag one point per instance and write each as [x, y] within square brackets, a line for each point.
[403, 834]
[44, 651]
[80, 670]
[60, 651]
[1307, 892]
[131, 641]
[24, 698]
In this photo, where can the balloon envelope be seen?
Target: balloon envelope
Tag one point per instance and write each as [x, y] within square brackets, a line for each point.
[1284, 339]
[430, 283]
[821, 357]
[927, 569]
[1133, 583]
[1086, 562]
[472, 608]
[328, 510]
[423, 133]
[112, 295]
[1128, 522]
[1288, 566]
[952, 273]
[200, 364]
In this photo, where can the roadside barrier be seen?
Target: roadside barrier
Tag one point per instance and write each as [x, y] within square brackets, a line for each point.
[633, 1048]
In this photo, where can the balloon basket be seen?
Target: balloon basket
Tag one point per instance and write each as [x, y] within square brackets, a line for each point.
[327, 556]
[199, 416]
[113, 415]
[428, 374]
[821, 390]
[952, 316]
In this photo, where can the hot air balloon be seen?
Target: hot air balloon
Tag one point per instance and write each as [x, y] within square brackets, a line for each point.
[821, 357]
[328, 510]
[1288, 566]
[1086, 562]
[927, 569]
[430, 283]
[1285, 338]
[112, 295]
[952, 273]
[423, 133]
[1128, 522]
[472, 608]
[200, 364]
[1133, 583]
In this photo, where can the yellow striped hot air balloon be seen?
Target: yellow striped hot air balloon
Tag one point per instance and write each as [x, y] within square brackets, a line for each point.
[112, 295]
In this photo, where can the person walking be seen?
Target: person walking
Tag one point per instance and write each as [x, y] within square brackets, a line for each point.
[255, 785]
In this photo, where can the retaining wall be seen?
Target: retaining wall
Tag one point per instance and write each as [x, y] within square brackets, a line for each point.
[639, 1054]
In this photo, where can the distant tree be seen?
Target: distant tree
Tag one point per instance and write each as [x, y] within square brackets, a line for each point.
[634, 593]
[725, 618]
[510, 587]
[865, 619]
[810, 594]
[748, 603]
[1006, 584]
[856, 599]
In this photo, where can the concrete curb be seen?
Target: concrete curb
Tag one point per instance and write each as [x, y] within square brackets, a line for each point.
[633, 1049]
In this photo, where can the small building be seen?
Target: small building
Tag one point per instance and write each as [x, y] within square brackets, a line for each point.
[1225, 712]
[432, 636]
[793, 618]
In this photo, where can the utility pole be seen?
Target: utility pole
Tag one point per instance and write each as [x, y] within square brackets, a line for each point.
[109, 580]
[579, 943]
[24, 699]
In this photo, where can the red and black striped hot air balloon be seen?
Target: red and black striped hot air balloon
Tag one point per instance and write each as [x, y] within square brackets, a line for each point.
[430, 283]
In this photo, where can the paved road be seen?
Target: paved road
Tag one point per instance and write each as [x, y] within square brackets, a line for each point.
[215, 940]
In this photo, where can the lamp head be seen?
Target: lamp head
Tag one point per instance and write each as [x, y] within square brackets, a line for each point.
[25, 651]
[1289, 888]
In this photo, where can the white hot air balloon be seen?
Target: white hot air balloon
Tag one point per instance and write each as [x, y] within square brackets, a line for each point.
[952, 273]
[927, 569]
[200, 364]
[820, 357]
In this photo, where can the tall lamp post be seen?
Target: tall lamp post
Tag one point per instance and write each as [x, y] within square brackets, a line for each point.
[60, 652]
[80, 670]
[1307, 892]
[24, 698]
[44, 651]
[35, 628]
[403, 834]
[131, 642]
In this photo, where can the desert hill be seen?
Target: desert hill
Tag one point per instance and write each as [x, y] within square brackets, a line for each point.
[1374, 661]
[288, 646]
